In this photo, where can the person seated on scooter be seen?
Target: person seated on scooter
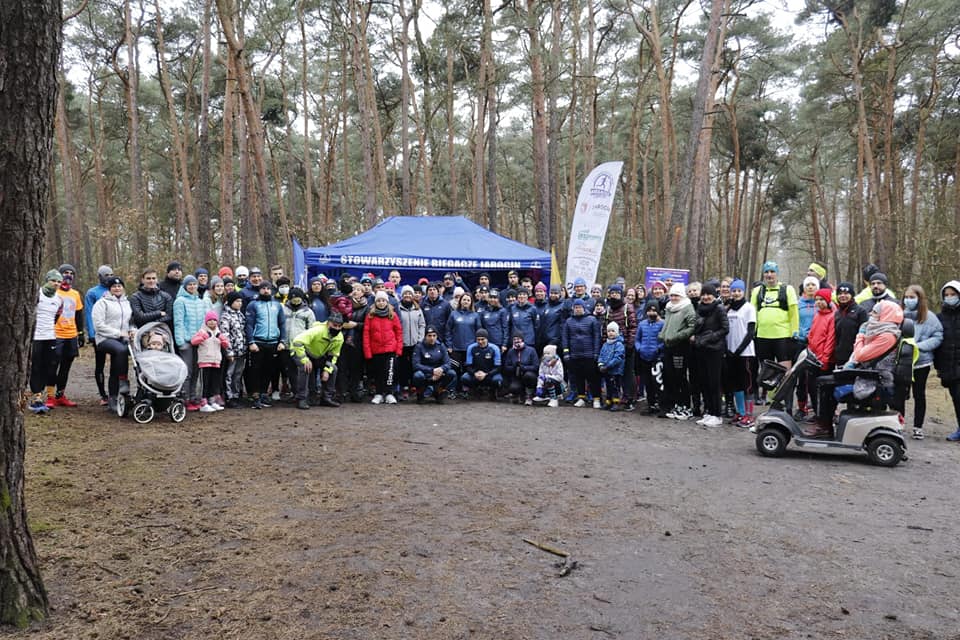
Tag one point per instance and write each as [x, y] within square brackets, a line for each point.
[874, 348]
[821, 342]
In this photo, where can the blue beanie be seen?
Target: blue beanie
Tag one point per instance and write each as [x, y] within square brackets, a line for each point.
[579, 282]
[201, 270]
[577, 302]
[738, 284]
[616, 288]
[770, 265]
[189, 280]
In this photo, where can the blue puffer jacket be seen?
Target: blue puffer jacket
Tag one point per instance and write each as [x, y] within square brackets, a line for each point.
[551, 323]
[93, 294]
[647, 342]
[265, 322]
[436, 313]
[497, 323]
[928, 335]
[807, 309]
[462, 327]
[612, 355]
[525, 320]
[188, 312]
[581, 337]
[516, 363]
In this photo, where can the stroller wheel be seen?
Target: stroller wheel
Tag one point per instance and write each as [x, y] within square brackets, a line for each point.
[177, 411]
[143, 412]
[122, 405]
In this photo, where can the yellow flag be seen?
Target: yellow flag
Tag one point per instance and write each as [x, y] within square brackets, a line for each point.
[555, 276]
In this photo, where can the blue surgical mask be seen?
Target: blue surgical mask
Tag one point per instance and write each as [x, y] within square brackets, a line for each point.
[951, 301]
[910, 304]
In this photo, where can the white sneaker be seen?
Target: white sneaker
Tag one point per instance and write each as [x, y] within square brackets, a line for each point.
[553, 403]
[540, 399]
[712, 421]
[918, 434]
[276, 396]
[216, 405]
[703, 420]
[596, 403]
[580, 403]
[682, 414]
[390, 399]
[377, 399]
[208, 408]
[528, 402]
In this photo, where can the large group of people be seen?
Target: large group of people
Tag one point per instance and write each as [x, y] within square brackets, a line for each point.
[686, 350]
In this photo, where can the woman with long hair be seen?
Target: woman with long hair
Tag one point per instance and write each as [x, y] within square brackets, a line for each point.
[928, 334]
[382, 345]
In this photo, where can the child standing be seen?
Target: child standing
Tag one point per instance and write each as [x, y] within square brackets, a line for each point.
[738, 363]
[610, 363]
[208, 341]
[649, 354]
[550, 377]
[232, 322]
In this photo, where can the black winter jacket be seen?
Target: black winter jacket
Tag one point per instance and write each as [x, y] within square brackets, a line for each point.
[947, 356]
[712, 327]
[147, 304]
[846, 322]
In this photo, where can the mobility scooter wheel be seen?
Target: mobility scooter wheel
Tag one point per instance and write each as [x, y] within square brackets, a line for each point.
[771, 442]
[885, 451]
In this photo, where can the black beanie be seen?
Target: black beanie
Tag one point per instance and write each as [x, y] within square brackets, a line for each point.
[232, 296]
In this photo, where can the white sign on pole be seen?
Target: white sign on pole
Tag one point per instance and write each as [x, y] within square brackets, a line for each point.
[590, 221]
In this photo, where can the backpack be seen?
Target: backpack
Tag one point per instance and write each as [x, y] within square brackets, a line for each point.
[781, 298]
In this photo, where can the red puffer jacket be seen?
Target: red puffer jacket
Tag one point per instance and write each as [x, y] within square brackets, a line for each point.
[822, 337]
[382, 335]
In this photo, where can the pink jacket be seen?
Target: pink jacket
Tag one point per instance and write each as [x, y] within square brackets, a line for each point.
[208, 347]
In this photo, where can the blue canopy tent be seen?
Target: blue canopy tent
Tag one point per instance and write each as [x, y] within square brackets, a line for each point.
[426, 247]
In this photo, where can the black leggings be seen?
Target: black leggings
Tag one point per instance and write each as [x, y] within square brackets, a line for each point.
[262, 365]
[706, 369]
[955, 396]
[67, 351]
[117, 349]
[100, 361]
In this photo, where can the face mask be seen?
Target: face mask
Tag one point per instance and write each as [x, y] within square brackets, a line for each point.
[951, 301]
[284, 290]
[332, 332]
[910, 304]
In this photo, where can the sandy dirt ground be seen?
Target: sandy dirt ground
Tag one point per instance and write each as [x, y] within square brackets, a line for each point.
[370, 522]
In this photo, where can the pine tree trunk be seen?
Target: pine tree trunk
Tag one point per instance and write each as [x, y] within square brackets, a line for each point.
[307, 156]
[204, 206]
[30, 43]
[227, 228]
[538, 106]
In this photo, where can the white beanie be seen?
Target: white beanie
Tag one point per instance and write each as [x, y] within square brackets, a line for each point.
[405, 289]
[458, 291]
[613, 326]
[808, 279]
[381, 295]
[677, 289]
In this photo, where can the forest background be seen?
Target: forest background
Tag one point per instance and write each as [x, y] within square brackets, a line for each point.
[213, 130]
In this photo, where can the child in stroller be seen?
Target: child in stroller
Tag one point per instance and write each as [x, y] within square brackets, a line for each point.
[160, 375]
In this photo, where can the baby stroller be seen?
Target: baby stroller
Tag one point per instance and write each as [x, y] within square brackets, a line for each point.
[160, 375]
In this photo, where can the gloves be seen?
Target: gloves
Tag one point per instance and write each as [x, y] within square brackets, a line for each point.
[80, 340]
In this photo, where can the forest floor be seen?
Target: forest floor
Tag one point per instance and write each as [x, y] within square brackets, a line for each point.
[371, 522]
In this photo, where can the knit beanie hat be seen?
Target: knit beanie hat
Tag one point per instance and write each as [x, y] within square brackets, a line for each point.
[738, 284]
[482, 333]
[846, 287]
[381, 295]
[811, 280]
[210, 315]
[104, 270]
[405, 290]
[550, 351]
[882, 277]
[540, 287]
[708, 289]
[613, 326]
[577, 302]
[770, 265]
[201, 271]
[189, 280]
[53, 274]
[233, 296]
[215, 280]
[653, 304]
[66, 267]
[826, 293]
[173, 265]
[678, 289]
[225, 271]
